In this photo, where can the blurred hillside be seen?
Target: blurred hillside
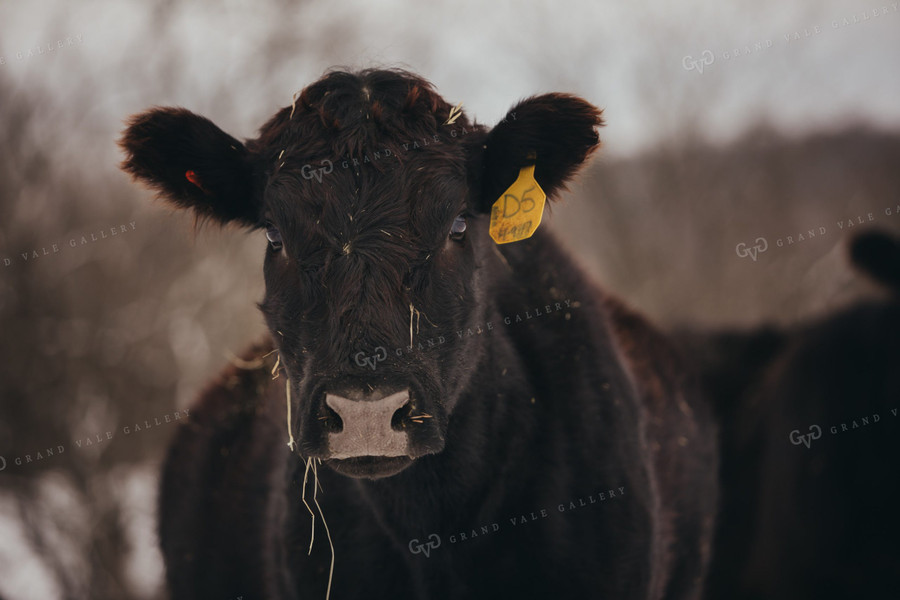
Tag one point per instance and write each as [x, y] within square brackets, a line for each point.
[662, 230]
[98, 332]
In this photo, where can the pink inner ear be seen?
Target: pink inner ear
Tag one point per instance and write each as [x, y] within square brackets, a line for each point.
[192, 177]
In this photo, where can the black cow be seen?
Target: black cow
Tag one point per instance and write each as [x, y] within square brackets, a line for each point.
[810, 442]
[483, 421]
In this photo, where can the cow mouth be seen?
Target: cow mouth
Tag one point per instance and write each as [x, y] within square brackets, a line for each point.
[369, 467]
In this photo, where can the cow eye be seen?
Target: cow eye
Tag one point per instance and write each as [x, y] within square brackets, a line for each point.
[274, 237]
[458, 229]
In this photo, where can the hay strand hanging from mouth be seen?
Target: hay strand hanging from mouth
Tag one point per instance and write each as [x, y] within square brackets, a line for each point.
[310, 462]
[327, 531]
[312, 535]
[316, 486]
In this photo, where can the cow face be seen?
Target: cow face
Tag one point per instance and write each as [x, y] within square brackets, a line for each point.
[374, 194]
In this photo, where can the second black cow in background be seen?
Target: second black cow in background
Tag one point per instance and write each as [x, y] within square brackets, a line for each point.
[810, 442]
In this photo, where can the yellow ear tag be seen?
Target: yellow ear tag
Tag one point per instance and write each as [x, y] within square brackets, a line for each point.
[517, 213]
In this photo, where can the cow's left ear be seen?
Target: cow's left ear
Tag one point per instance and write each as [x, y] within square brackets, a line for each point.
[191, 163]
[554, 132]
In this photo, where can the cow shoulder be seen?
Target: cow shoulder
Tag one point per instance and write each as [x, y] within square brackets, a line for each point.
[681, 437]
[218, 491]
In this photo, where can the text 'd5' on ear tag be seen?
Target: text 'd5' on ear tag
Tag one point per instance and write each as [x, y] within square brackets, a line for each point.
[517, 212]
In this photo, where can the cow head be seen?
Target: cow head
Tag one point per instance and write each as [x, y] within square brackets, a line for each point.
[374, 194]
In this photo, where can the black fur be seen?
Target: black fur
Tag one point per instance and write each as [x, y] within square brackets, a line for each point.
[547, 131]
[163, 144]
[576, 395]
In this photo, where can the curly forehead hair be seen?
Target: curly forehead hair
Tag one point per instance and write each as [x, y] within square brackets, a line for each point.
[342, 113]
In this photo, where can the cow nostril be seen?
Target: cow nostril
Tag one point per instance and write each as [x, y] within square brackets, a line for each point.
[401, 416]
[331, 420]
[366, 409]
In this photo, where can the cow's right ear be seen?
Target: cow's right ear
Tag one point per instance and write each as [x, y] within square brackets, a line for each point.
[191, 163]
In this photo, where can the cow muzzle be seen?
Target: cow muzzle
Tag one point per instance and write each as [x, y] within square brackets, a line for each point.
[381, 432]
[367, 427]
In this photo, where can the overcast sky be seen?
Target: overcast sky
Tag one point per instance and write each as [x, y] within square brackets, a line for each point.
[238, 61]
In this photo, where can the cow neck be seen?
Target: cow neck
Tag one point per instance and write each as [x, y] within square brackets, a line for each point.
[452, 485]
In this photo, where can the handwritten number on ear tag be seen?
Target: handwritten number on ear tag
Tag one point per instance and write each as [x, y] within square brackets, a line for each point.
[517, 213]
